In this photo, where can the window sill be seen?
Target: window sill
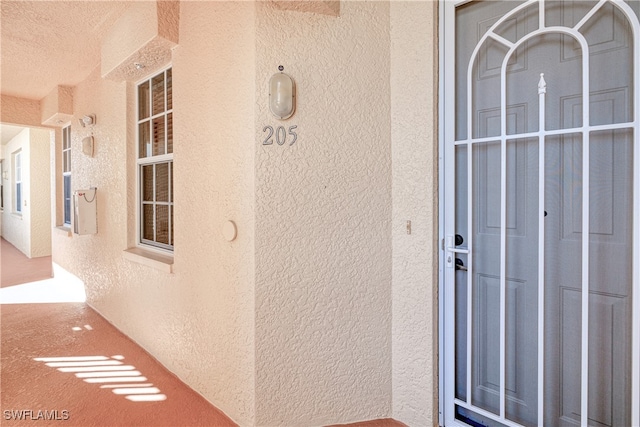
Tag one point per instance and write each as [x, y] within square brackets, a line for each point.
[63, 230]
[159, 262]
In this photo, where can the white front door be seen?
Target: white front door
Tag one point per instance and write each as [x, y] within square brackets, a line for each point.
[541, 229]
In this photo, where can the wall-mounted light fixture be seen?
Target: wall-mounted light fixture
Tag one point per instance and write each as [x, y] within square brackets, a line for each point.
[282, 95]
[88, 142]
[87, 120]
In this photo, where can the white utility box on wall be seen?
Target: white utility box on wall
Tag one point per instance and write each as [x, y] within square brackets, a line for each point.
[85, 210]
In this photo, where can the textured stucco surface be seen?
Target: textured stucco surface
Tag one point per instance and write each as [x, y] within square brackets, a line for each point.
[214, 104]
[30, 232]
[198, 321]
[20, 111]
[128, 34]
[326, 7]
[56, 108]
[414, 83]
[59, 39]
[323, 219]
[144, 35]
[323, 310]
[168, 15]
[94, 258]
[39, 165]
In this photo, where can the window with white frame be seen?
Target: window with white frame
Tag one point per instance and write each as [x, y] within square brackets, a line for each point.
[1, 185]
[155, 161]
[66, 174]
[17, 179]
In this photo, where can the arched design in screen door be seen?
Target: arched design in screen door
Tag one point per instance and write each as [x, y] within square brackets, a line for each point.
[541, 248]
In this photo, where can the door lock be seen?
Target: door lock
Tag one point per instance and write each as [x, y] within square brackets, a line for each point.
[460, 265]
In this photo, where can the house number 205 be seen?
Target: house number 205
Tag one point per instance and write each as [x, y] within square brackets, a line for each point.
[280, 135]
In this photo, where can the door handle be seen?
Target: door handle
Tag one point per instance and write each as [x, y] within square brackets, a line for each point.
[452, 248]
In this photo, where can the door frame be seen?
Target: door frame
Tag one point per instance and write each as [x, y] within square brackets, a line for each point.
[446, 206]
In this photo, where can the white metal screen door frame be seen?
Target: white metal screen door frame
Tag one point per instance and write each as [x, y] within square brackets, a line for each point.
[448, 143]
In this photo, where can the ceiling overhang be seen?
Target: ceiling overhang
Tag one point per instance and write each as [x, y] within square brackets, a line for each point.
[141, 41]
[323, 7]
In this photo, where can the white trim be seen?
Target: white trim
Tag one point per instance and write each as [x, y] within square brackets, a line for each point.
[17, 167]
[541, 242]
[447, 204]
[141, 243]
[2, 185]
[586, 235]
[589, 15]
[441, 192]
[163, 158]
[633, 20]
[581, 129]
[66, 172]
[149, 77]
[469, 268]
[155, 260]
[504, 137]
[487, 414]
[503, 230]
[64, 199]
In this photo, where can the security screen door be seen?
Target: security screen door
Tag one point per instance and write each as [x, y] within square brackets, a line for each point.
[541, 277]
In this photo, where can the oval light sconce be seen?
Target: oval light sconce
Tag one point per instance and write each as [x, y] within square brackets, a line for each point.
[282, 95]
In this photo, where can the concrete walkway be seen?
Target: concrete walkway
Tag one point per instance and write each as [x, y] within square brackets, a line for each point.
[62, 364]
[16, 267]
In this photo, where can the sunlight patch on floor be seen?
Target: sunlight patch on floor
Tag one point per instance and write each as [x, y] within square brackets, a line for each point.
[63, 287]
[103, 369]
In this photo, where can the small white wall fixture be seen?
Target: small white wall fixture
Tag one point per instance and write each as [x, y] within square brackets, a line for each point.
[87, 146]
[87, 120]
[229, 231]
[85, 211]
[282, 95]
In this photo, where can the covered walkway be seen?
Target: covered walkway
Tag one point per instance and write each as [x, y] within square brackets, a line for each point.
[17, 268]
[64, 364]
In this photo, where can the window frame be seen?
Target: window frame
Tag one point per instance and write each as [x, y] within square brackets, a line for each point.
[18, 189]
[2, 171]
[66, 175]
[153, 160]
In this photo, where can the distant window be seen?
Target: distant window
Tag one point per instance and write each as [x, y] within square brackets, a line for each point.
[1, 185]
[17, 176]
[66, 174]
[155, 161]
